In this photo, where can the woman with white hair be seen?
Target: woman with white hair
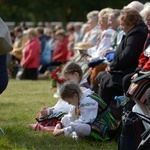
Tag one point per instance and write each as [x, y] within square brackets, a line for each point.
[126, 55]
[135, 5]
[91, 35]
[145, 13]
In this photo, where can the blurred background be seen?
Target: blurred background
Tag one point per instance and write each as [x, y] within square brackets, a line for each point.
[41, 12]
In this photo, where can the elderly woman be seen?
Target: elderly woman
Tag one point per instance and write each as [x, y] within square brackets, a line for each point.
[125, 57]
[144, 59]
[91, 35]
[103, 44]
[31, 55]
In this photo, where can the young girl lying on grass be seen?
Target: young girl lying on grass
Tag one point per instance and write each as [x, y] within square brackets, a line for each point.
[92, 116]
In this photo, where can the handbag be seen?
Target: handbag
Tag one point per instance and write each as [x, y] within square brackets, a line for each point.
[139, 87]
[5, 40]
[130, 130]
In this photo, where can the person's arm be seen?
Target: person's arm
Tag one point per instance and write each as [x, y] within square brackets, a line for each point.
[3, 73]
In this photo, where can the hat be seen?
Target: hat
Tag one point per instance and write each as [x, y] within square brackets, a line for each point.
[82, 46]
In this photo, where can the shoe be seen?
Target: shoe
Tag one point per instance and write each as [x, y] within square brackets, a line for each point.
[56, 95]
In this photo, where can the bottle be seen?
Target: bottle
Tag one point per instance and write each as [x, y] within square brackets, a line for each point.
[121, 100]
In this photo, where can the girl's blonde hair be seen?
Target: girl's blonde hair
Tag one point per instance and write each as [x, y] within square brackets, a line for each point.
[68, 89]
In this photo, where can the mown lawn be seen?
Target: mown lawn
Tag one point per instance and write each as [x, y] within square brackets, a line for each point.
[18, 106]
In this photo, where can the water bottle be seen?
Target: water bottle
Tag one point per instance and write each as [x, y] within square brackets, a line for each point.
[121, 100]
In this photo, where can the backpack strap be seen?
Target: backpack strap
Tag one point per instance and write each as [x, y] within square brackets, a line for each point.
[143, 117]
[102, 106]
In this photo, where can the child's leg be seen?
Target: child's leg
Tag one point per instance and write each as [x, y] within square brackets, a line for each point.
[82, 129]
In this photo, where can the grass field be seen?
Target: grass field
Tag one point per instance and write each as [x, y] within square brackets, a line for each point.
[18, 106]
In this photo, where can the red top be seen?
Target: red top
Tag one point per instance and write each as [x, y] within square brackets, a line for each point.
[144, 62]
[60, 51]
[31, 54]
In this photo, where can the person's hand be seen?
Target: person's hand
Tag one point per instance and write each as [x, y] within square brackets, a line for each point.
[134, 76]
[105, 52]
[87, 59]
[107, 69]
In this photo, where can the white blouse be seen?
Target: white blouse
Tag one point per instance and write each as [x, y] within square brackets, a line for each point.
[88, 108]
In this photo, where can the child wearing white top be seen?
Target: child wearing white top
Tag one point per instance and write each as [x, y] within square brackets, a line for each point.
[71, 72]
[92, 115]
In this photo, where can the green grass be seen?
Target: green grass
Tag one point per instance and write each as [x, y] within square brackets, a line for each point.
[18, 106]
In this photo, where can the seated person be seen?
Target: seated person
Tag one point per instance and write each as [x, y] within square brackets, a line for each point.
[126, 55]
[92, 117]
[71, 72]
[125, 58]
[144, 59]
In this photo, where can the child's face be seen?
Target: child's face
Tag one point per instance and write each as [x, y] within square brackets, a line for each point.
[74, 100]
[72, 77]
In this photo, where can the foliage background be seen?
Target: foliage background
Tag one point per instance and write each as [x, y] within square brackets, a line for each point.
[54, 10]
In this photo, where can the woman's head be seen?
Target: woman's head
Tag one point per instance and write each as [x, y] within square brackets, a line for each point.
[129, 18]
[103, 18]
[18, 31]
[113, 19]
[31, 32]
[70, 92]
[145, 13]
[92, 18]
[72, 72]
[135, 5]
[60, 34]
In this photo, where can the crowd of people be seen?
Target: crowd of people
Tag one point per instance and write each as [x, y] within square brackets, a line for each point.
[98, 57]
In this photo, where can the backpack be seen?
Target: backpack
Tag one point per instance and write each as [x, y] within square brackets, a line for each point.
[106, 122]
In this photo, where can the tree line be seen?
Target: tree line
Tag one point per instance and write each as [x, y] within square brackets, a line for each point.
[54, 10]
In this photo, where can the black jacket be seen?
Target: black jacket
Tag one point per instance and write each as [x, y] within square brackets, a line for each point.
[128, 51]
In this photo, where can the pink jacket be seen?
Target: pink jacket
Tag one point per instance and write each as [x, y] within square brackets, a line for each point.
[31, 54]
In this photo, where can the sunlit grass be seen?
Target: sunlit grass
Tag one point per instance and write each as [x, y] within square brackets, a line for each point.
[18, 107]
